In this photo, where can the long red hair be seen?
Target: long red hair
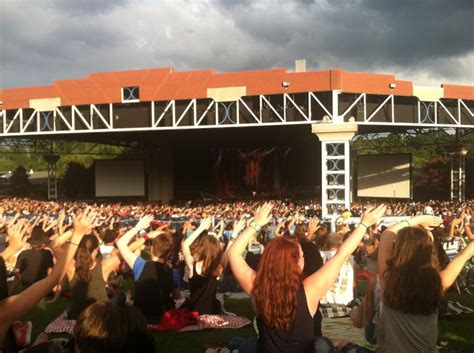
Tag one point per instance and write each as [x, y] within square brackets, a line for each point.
[276, 282]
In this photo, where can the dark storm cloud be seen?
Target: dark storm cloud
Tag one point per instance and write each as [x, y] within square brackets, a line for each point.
[425, 41]
[360, 33]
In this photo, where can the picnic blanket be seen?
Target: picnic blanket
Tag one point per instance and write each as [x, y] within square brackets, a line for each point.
[204, 322]
[329, 311]
[61, 325]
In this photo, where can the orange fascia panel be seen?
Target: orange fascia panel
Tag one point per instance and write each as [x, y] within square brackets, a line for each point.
[15, 98]
[195, 85]
[458, 92]
[355, 82]
[171, 86]
[69, 92]
[120, 79]
[257, 82]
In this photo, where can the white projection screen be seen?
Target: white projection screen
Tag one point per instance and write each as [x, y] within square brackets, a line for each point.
[384, 175]
[119, 178]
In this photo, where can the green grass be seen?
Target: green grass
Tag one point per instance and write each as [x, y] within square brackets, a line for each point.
[456, 332]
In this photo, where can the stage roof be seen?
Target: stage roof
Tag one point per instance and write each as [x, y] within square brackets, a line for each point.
[160, 84]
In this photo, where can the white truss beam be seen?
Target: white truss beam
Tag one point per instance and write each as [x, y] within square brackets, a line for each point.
[295, 111]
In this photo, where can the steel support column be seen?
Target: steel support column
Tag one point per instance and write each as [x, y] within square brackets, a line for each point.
[335, 165]
[458, 175]
[52, 159]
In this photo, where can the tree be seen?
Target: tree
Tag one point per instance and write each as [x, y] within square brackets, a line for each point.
[19, 182]
[78, 181]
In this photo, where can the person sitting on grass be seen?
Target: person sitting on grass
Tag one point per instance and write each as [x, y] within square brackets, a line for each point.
[204, 265]
[15, 306]
[285, 302]
[413, 285]
[153, 279]
[33, 264]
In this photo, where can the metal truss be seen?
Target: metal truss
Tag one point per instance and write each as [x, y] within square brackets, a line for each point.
[335, 185]
[62, 147]
[405, 139]
[393, 110]
[458, 176]
[263, 110]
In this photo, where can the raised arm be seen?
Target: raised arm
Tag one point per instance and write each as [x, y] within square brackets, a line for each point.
[468, 232]
[450, 273]
[390, 234]
[60, 240]
[12, 308]
[122, 244]
[242, 272]
[186, 245]
[317, 284]
[454, 223]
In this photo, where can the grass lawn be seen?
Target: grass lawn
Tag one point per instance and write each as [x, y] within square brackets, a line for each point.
[456, 332]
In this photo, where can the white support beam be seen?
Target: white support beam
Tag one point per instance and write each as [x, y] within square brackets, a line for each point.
[204, 114]
[467, 108]
[76, 112]
[361, 96]
[264, 99]
[314, 97]
[241, 101]
[335, 107]
[171, 104]
[306, 117]
[95, 110]
[192, 104]
[449, 113]
[390, 97]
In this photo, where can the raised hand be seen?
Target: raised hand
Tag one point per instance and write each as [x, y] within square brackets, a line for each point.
[144, 222]
[264, 214]
[426, 221]
[84, 222]
[206, 223]
[372, 216]
[16, 234]
[312, 226]
[238, 227]
[154, 233]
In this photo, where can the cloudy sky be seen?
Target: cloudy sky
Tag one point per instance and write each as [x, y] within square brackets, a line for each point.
[429, 42]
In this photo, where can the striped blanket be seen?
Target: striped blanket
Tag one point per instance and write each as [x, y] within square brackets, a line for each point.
[62, 325]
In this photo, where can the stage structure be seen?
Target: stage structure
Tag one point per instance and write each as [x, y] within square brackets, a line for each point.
[336, 104]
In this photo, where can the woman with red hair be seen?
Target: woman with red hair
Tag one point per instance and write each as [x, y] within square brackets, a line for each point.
[285, 302]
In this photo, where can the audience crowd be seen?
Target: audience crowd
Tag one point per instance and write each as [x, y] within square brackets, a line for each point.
[289, 261]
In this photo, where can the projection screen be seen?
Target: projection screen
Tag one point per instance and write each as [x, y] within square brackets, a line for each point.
[119, 178]
[384, 175]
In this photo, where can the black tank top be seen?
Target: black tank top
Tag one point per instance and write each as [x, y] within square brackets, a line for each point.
[298, 339]
[84, 294]
[203, 294]
[153, 291]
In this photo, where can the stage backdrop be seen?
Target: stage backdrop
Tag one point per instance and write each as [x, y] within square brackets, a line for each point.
[119, 178]
[384, 175]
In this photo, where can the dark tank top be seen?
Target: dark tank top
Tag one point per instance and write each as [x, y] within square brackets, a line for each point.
[203, 294]
[84, 294]
[153, 291]
[298, 339]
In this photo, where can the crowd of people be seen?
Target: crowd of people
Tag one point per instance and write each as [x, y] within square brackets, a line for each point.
[281, 253]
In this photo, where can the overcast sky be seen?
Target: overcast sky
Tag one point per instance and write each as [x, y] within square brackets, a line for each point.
[429, 42]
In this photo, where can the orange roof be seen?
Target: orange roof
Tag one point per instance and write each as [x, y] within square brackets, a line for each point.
[164, 84]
